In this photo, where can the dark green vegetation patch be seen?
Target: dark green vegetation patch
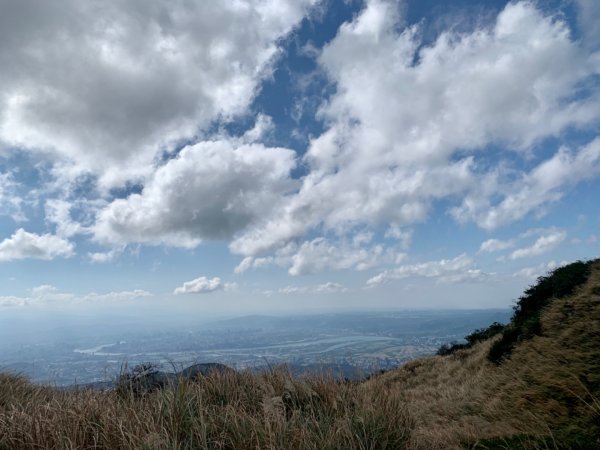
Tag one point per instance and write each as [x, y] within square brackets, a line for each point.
[476, 336]
[525, 322]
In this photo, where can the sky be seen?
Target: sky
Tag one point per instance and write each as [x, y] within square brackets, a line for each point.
[270, 155]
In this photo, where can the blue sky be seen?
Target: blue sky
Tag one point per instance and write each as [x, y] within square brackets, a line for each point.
[294, 155]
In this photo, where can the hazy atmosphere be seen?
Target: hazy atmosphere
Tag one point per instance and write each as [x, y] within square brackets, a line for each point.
[300, 224]
[176, 160]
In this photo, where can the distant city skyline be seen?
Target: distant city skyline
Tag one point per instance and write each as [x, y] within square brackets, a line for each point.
[294, 155]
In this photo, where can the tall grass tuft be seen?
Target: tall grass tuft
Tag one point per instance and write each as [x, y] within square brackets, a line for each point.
[219, 411]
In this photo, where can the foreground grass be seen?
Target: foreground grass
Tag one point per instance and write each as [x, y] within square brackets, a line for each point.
[221, 411]
[543, 395]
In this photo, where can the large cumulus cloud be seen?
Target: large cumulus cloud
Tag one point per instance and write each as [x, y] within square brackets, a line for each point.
[25, 245]
[211, 190]
[105, 86]
[412, 124]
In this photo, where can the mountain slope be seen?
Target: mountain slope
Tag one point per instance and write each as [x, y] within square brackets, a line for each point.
[546, 393]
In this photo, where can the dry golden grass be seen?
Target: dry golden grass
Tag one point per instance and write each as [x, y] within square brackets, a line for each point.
[545, 396]
[548, 390]
[222, 411]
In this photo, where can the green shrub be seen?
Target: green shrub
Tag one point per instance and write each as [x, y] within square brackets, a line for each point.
[483, 334]
[448, 349]
[503, 347]
[476, 336]
[525, 322]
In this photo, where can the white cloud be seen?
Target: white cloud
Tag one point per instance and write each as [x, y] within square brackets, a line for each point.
[108, 85]
[8, 301]
[48, 294]
[331, 288]
[466, 276]
[291, 290]
[542, 245]
[103, 257]
[340, 203]
[119, 296]
[446, 270]
[58, 212]
[200, 285]
[264, 125]
[325, 288]
[404, 236]
[495, 245]
[211, 190]
[533, 272]
[409, 124]
[25, 245]
[543, 184]
[243, 266]
[320, 254]
[11, 204]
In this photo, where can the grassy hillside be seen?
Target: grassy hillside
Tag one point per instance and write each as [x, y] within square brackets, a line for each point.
[542, 390]
[544, 393]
